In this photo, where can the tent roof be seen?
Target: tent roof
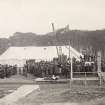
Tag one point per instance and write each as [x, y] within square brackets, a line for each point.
[36, 52]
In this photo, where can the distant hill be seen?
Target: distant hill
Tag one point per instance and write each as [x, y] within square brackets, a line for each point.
[4, 44]
[78, 39]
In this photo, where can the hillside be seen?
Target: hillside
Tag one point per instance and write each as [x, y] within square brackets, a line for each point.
[77, 38]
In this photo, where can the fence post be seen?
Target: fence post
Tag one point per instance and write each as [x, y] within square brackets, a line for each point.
[85, 79]
[100, 79]
[99, 66]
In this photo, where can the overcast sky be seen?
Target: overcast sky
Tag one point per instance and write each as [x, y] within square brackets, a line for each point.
[37, 15]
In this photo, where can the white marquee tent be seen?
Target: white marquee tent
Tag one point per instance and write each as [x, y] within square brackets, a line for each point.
[19, 55]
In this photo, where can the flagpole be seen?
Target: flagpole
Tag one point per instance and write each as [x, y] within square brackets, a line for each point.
[56, 39]
[71, 69]
[70, 61]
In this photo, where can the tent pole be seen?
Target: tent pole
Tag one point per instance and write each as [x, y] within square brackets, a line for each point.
[70, 62]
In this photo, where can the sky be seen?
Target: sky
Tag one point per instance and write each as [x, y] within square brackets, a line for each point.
[37, 15]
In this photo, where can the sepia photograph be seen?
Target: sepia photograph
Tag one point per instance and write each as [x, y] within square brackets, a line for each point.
[52, 52]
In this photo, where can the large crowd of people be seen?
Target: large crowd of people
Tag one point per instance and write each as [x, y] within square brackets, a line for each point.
[7, 70]
[62, 69]
[52, 68]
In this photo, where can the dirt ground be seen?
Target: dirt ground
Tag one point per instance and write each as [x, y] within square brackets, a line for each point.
[8, 85]
[6, 89]
[64, 93]
[59, 93]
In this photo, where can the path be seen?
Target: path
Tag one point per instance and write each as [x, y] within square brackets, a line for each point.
[21, 92]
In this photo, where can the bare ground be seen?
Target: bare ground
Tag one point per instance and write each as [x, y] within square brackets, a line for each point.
[59, 93]
[63, 93]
